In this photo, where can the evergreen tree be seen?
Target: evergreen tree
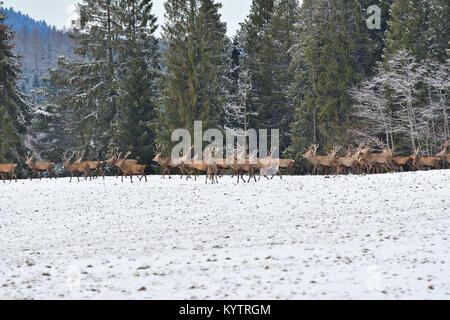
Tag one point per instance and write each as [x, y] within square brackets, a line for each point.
[274, 108]
[331, 55]
[253, 41]
[96, 94]
[14, 109]
[137, 132]
[420, 27]
[193, 86]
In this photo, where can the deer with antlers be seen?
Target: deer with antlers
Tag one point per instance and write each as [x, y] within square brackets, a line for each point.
[168, 163]
[8, 169]
[319, 162]
[376, 161]
[76, 168]
[39, 167]
[94, 166]
[131, 169]
[443, 153]
[421, 163]
[281, 164]
[242, 164]
[114, 158]
[349, 162]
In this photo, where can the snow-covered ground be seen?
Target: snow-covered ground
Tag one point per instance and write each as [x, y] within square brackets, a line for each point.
[376, 237]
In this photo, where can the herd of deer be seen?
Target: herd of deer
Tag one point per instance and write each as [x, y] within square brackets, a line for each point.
[357, 161]
[239, 163]
[360, 160]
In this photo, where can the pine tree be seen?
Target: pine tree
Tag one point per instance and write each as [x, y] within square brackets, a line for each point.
[253, 40]
[95, 96]
[274, 108]
[193, 85]
[420, 27]
[14, 109]
[332, 54]
[137, 132]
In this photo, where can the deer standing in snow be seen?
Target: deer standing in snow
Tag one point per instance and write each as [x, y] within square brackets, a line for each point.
[8, 169]
[39, 167]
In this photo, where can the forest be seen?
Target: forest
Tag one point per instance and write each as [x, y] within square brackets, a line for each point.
[312, 69]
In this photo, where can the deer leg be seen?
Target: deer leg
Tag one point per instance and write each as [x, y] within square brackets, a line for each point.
[131, 177]
[168, 170]
[3, 178]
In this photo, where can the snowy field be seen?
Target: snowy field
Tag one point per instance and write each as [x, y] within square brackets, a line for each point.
[359, 237]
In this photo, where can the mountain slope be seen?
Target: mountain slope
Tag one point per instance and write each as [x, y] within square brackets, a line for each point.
[39, 45]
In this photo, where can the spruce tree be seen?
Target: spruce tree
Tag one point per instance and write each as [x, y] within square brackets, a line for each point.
[137, 131]
[332, 55]
[192, 86]
[274, 108]
[95, 95]
[14, 109]
[420, 27]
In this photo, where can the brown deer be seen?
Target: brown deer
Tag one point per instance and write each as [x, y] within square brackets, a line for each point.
[114, 158]
[311, 156]
[421, 163]
[443, 153]
[131, 169]
[8, 169]
[94, 166]
[39, 167]
[349, 162]
[241, 164]
[76, 168]
[168, 163]
[195, 167]
[211, 168]
[376, 162]
[266, 165]
[400, 162]
[282, 164]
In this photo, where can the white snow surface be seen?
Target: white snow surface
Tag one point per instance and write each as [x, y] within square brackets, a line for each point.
[347, 237]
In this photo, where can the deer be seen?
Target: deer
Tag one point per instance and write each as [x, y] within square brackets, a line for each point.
[211, 168]
[76, 168]
[376, 161]
[266, 165]
[169, 163]
[195, 167]
[311, 156]
[8, 169]
[443, 153]
[425, 162]
[131, 169]
[401, 161]
[349, 161]
[114, 158]
[242, 164]
[96, 166]
[39, 167]
[332, 157]
[282, 164]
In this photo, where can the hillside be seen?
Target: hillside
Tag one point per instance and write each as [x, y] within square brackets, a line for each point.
[39, 45]
[347, 237]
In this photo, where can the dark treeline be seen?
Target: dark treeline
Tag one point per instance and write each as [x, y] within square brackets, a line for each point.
[313, 70]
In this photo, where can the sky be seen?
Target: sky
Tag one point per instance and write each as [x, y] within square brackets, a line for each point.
[61, 12]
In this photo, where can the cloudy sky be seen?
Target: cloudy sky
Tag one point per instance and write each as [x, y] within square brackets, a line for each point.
[60, 12]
